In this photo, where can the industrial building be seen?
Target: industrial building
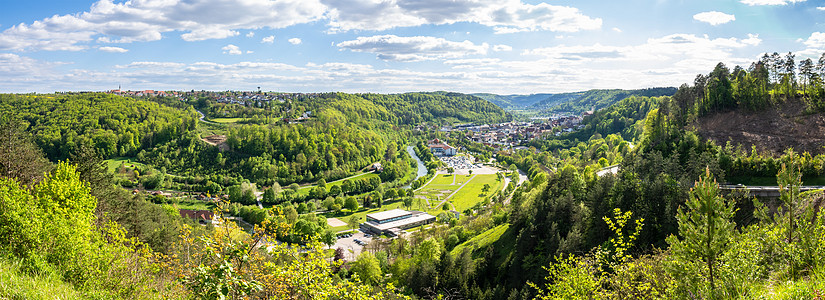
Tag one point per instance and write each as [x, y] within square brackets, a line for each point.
[391, 222]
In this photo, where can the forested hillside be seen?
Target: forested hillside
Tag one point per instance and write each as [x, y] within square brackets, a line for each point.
[576, 102]
[642, 233]
[113, 125]
[343, 134]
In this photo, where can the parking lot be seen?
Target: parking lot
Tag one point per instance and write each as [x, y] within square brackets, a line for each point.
[351, 248]
[460, 162]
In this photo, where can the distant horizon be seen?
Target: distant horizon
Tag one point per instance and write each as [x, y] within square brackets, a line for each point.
[317, 92]
[508, 47]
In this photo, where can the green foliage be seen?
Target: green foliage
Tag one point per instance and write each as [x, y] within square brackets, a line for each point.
[706, 230]
[112, 125]
[52, 230]
[570, 278]
[616, 250]
[368, 269]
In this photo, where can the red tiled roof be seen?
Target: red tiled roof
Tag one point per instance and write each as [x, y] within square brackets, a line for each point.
[197, 214]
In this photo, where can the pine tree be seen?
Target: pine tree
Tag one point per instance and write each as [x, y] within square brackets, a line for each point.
[705, 227]
[790, 180]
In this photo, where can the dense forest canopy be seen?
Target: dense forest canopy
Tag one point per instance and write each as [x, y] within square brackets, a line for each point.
[575, 103]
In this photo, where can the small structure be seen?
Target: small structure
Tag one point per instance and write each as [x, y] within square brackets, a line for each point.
[391, 222]
[376, 167]
[200, 216]
[439, 148]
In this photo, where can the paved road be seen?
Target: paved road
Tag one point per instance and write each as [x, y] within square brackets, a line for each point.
[204, 116]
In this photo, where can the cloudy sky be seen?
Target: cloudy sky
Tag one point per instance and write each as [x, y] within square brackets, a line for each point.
[389, 46]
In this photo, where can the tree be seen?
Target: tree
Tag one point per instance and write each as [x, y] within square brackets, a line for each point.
[789, 179]
[367, 267]
[705, 227]
[269, 196]
[389, 194]
[351, 203]
[354, 221]
[335, 190]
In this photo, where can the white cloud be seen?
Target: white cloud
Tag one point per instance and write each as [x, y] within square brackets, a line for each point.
[250, 34]
[770, 2]
[232, 50]
[816, 40]
[415, 48]
[113, 49]
[499, 48]
[506, 16]
[149, 20]
[753, 40]
[268, 40]
[207, 33]
[714, 17]
[295, 41]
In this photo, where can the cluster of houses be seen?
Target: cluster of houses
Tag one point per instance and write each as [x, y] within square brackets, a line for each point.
[145, 93]
[511, 134]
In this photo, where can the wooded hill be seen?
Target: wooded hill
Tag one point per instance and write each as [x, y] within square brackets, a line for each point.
[343, 134]
[643, 233]
[575, 102]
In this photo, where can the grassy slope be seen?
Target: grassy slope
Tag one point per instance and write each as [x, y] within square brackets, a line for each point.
[482, 240]
[18, 285]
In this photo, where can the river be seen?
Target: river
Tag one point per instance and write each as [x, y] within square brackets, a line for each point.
[422, 169]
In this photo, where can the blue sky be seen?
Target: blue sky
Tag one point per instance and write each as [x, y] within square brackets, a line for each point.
[391, 46]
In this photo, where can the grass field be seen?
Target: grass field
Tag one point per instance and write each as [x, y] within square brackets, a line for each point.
[482, 240]
[114, 163]
[193, 204]
[441, 187]
[361, 213]
[471, 193]
[226, 120]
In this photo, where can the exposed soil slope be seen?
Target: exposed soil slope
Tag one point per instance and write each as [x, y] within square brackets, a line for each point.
[217, 140]
[774, 129]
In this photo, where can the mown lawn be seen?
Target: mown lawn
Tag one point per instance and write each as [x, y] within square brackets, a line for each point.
[443, 179]
[471, 193]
